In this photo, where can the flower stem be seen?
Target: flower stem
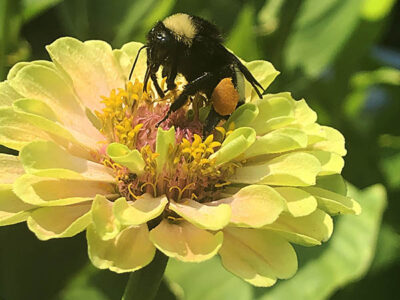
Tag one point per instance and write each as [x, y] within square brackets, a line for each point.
[143, 284]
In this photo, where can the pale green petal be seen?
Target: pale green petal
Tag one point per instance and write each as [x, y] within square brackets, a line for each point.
[185, 242]
[264, 72]
[277, 141]
[11, 168]
[104, 221]
[303, 113]
[203, 215]
[129, 251]
[46, 84]
[37, 113]
[91, 66]
[7, 94]
[334, 203]
[275, 111]
[165, 140]
[132, 159]
[255, 206]
[243, 116]
[334, 142]
[20, 65]
[299, 203]
[142, 210]
[60, 221]
[129, 52]
[309, 230]
[334, 183]
[15, 132]
[47, 191]
[12, 209]
[234, 145]
[315, 133]
[331, 163]
[257, 256]
[293, 169]
[45, 158]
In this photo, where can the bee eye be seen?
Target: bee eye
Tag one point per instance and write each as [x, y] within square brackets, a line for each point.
[161, 36]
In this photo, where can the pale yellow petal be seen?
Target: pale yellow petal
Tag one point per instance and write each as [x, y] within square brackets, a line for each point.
[185, 242]
[46, 158]
[310, 230]
[264, 72]
[334, 183]
[104, 221]
[142, 210]
[255, 206]
[277, 141]
[303, 113]
[7, 94]
[12, 209]
[15, 132]
[40, 115]
[275, 111]
[48, 191]
[165, 140]
[202, 215]
[129, 251]
[331, 163]
[293, 169]
[48, 85]
[234, 145]
[129, 52]
[299, 203]
[334, 203]
[334, 142]
[59, 221]
[132, 159]
[11, 168]
[91, 66]
[257, 256]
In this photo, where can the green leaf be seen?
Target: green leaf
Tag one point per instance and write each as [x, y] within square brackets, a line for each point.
[361, 82]
[32, 8]
[320, 31]
[10, 25]
[387, 248]
[346, 257]
[135, 11]
[390, 166]
[91, 283]
[159, 12]
[22, 256]
[374, 10]
[206, 280]
[242, 38]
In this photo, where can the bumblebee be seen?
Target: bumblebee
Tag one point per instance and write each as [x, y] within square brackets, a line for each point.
[191, 46]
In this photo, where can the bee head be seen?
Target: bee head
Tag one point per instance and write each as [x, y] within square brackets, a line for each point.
[160, 42]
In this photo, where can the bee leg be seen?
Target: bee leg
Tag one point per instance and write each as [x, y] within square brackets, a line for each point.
[157, 86]
[199, 84]
[212, 120]
[249, 77]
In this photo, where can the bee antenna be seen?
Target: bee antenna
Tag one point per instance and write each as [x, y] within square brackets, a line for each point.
[136, 59]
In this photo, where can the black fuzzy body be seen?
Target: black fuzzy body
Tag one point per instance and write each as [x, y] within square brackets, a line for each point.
[201, 59]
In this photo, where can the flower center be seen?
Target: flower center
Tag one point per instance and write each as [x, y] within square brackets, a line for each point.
[129, 117]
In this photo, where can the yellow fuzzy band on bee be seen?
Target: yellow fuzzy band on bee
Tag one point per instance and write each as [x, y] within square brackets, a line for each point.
[181, 26]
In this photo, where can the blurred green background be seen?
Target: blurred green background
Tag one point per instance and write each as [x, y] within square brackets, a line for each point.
[342, 56]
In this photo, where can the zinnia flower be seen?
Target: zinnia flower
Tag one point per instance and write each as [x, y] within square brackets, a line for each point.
[91, 158]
